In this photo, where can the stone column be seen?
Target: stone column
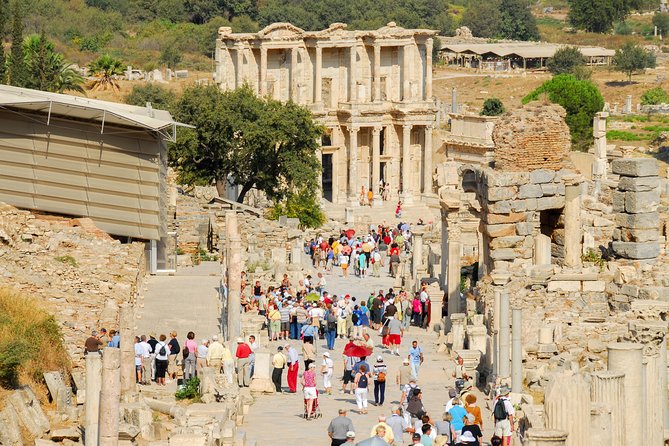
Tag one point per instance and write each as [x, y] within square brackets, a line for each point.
[377, 72]
[407, 197]
[127, 325]
[453, 274]
[628, 104]
[458, 324]
[572, 225]
[545, 437]
[261, 381]
[567, 407]
[600, 163]
[353, 167]
[504, 335]
[428, 69]
[92, 407]
[263, 71]
[427, 162]
[239, 79]
[517, 351]
[608, 388]
[318, 78]
[454, 100]
[110, 398]
[234, 255]
[626, 358]
[542, 250]
[417, 257]
[293, 74]
[406, 68]
[352, 84]
[376, 163]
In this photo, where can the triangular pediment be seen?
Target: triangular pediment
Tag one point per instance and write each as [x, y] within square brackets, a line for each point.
[281, 31]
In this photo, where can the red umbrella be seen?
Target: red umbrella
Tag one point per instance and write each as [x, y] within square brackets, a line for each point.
[350, 233]
[357, 351]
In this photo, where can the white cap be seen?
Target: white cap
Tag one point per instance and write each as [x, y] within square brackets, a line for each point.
[326, 354]
[214, 338]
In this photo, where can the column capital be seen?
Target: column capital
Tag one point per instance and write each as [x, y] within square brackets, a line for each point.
[407, 126]
[353, 128]
[377, 128]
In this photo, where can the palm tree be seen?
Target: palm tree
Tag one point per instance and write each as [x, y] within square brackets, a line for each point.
[105, 68]
[69, 80]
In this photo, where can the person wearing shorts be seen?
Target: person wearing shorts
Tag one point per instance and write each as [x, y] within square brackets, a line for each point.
[504, 427]
[395, 332]
[349, 362]
[309, 388]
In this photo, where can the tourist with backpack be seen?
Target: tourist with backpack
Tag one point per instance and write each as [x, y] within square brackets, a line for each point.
[503, 413]
[361, 383]
[162, 358]
[380, 371]
[330, 327]
[356, 318]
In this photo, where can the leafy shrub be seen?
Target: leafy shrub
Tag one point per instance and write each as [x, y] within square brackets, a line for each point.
[566, 60]
[654, 96]
[581, 100]
[302, 205]
[68, 260]
[492, 107]
[189, 391]
[159, 96]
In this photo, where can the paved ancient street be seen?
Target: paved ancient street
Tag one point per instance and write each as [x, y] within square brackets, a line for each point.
[188, 301]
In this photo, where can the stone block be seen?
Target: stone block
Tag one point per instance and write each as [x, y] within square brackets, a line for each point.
[630, 290]
[65, 434]
[499, 178]
[564, 285]
[500, 207]
[649, 220]
[638, 235]
[597, 286]
[635, 167]
[638, 184]
[524, 228]
[506, 242]
[530, 191]
[503, 254]
[501, 193]
[552, 189]
[188, 440]
[500, 230]
[541, 176]
[550, 203]
[631, 250]
[642, 202]
[514, 217]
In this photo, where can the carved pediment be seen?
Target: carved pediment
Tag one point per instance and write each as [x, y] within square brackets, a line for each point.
[334, 30]
[281, 31]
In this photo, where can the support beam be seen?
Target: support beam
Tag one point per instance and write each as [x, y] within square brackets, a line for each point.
[407, 196]
[428, 69]
[376, 163]
[353, 166]
[504, 335]
[239, 79]
[293, 75]
[92, 406]
[263, 71]
[427, 162]
[234, 274]
[517, 352]
[377, 72]
[127, 325]
[406, 68]
[454, 271]
[318, 78]
[110, 398]
[353, 94]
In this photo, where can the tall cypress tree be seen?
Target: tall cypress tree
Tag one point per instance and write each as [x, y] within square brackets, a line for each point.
[18, 74]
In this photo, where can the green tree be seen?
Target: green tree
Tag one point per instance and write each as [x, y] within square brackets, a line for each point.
[599, 15]
[566, 60]
[302, 205]
[18, 73]
[654, 96]
[517, 21]
[171, 56]
[254, 142]
[483, 19]
[492, 107]
[631, 59]
[661, 20]
[105, 69]
[581, 100]
[159, 97]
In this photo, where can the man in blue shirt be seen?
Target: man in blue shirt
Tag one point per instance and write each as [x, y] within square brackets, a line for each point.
[415, 358]
[356, 367]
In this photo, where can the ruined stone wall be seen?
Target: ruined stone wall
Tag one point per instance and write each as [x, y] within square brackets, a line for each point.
[78, 272]
[532, 137]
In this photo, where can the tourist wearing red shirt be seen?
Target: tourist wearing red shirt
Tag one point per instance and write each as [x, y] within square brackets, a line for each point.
[243, 363]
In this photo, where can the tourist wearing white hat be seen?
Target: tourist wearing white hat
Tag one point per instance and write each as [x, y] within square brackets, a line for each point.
[404, 374]
[379, 371]
[327, 369]
[503, 413]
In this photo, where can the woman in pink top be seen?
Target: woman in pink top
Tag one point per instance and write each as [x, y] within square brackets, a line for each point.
[417, 308]
[309, 388]
[190, 346]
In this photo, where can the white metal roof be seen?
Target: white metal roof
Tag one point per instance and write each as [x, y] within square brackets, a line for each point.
[525, 50]
[87, 109]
